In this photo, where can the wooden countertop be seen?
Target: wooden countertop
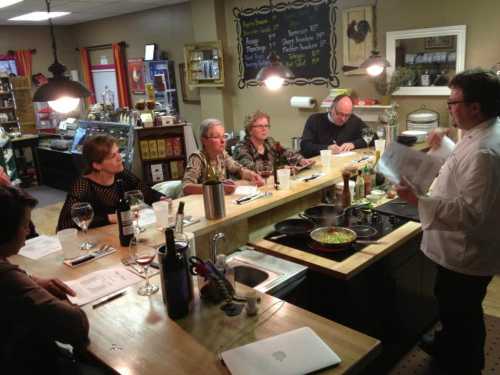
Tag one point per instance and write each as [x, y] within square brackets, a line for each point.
[351, 266]
[133, 334]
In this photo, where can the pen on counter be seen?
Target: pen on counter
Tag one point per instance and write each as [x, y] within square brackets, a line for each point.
[82, 259]
[313, 177]
[108, 299]
[247, 198]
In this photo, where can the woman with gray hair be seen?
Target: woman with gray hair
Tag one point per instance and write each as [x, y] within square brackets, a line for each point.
[213, 154]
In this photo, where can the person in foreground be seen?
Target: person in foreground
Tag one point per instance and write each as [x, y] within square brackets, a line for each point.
[259, 148]
[5, 181]
[35, 312]
[461, 222]
[338, 130]
[213, 155]
[97, 186]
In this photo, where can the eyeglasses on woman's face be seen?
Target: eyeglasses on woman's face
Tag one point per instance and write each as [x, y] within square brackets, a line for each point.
[261, 126]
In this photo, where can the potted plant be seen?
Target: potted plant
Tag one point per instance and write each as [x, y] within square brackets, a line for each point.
[402, 76]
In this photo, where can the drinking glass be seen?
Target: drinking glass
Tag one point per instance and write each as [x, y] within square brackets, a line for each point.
[293, 161]
[368, 134]
[82, 214]
[265, 170]
[136, 200]
[143, 254]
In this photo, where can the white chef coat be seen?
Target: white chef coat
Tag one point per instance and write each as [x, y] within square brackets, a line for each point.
[461, 217]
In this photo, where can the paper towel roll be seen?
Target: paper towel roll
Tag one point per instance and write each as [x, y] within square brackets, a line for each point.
[302, 102]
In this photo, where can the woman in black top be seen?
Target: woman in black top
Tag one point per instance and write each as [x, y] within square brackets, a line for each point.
[97, 186]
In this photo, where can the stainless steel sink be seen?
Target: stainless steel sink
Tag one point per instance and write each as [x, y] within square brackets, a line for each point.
[249, 276]
[265, 273]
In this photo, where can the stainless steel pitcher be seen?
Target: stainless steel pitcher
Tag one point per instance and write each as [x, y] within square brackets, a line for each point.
[213, 200]
[391, 134]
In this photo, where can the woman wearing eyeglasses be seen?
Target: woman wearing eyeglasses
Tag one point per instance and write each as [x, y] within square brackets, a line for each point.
[259, 149]
[213, 154]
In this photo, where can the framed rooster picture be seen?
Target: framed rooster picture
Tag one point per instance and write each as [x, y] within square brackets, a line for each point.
[357, 36]
[136, 76]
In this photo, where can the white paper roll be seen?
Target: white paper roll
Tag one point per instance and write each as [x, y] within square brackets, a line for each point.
[302, 102]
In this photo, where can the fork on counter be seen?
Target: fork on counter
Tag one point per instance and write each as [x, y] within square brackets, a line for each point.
[129, 262]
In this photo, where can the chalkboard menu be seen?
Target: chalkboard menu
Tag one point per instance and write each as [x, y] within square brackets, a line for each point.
[300, 32]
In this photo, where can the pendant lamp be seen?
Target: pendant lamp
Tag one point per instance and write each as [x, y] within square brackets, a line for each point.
[62, 94]
[274, 74]
[375, 64]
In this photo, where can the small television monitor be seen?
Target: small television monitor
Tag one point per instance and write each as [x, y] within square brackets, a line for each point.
[150, 51]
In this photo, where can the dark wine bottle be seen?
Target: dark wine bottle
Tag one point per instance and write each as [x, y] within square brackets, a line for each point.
[176, 283]
[124, 216]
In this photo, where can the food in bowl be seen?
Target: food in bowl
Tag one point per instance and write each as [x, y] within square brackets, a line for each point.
[333, 235]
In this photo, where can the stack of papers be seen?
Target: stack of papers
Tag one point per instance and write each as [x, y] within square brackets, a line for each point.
[101, 283]
[40, 246]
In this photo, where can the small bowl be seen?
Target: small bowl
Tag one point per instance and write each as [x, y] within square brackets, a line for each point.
[373, 198]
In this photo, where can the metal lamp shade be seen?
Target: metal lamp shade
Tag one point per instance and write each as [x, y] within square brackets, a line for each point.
[375, 59]
[60, 87]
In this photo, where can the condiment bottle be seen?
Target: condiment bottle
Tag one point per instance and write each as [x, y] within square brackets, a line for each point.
[367, 175]
[346, 193]
[359, 188]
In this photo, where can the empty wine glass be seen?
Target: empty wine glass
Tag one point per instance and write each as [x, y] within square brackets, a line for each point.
[136, 200]
[143, 254]
[82, 214]
[265, 169]
[368, 134]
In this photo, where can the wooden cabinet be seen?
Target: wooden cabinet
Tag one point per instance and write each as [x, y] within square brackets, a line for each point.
[8, 116]
[162, 152]
[21, 87]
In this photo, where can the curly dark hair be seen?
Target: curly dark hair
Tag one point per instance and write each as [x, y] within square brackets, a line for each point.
[479, 86]
[14, 202]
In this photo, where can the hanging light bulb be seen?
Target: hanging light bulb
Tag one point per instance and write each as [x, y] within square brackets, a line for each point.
[274, 74]
[274, 83]
[64, 104]
[375, 64]
[62, 94]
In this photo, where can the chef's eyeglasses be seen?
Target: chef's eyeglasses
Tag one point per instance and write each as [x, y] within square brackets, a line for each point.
[452, 102]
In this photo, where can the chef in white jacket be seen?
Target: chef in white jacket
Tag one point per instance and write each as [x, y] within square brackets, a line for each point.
[461, 222]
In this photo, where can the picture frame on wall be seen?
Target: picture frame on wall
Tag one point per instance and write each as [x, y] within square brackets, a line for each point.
[189, 95]
[135, 69]
[357, 37]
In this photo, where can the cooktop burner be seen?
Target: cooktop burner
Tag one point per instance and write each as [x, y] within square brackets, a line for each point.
[382, 223]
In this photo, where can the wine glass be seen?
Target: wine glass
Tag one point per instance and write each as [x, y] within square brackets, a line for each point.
[265, 169]
[82, 214]
[368, 134]
[136, 200]
[293, 161]
[143, 254]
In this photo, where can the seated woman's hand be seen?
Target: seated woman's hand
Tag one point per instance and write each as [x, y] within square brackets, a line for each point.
[229, 186]
[306, 162]
[54, 286]
[256, 179]
[112, 218]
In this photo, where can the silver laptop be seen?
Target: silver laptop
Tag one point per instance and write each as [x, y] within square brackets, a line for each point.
[294, 352]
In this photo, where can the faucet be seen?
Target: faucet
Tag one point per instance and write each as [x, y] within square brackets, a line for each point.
[213, 245]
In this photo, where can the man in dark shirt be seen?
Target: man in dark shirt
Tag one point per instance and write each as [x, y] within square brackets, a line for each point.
[35, 311]
[338, 130]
